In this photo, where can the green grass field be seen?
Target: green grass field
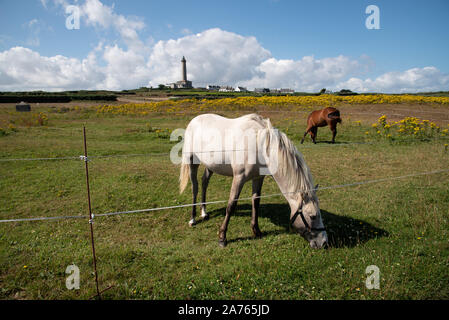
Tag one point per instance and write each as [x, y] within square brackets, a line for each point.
[401, 225]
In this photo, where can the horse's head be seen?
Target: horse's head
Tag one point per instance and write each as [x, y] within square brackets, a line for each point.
[296, 182]
[308, 223]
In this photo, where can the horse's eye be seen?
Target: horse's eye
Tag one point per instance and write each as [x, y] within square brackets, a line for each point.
[313, 217]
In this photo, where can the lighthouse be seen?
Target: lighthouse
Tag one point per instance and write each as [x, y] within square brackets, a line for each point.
[184, 69]
[184, 83]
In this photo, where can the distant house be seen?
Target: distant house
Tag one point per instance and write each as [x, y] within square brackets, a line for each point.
[261, 90]
[226, 89]
[212, 87]
[182, 84]
[287, 91]
[282, 91]
[240, 89]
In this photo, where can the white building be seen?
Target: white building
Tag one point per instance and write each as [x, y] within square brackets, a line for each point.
[226, 89]
[212, 87]
[240, 89]
[287, 91]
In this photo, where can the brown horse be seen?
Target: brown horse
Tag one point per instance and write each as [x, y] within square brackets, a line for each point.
[320, 118]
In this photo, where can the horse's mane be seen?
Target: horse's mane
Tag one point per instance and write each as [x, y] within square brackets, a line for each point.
[293, 167]
[291, 164]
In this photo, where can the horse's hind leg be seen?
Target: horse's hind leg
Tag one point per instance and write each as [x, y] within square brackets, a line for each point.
[204, 183]
[257, 187]
[194, 179]
[305, 134]
[313, 134]
[237, 185]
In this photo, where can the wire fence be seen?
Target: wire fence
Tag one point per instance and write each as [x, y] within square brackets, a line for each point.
[155, 154]
[352, 184]
[161, 154]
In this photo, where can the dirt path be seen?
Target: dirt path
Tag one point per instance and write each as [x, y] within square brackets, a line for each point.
[137, 99]
[370, 113]
[394, 112]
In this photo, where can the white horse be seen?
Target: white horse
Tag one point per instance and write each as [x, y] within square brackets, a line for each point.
[248, 148]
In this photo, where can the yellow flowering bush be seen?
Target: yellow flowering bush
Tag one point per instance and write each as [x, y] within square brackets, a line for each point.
[409, 126]
[7, 129]
[163, 133]
[41, 119]
[250, 103]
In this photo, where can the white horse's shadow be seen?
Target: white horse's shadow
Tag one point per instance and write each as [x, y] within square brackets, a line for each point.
[343, 232]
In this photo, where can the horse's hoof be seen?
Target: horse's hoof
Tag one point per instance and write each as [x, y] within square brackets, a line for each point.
[205, 217]
[192, 222]
[257, 233]
[222, 243]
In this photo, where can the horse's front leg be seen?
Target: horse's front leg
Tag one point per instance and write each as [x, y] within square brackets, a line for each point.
[257, 187]
[205, 182]
[333, 127]
[237, 185]
[194, 179]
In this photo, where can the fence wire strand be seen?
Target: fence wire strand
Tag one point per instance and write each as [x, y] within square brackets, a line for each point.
[160, 154]
[225, 201]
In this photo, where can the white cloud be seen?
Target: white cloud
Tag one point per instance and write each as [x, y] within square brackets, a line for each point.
[33, 29]
[32, 22]
[412, 80]
[214, 56]
[24, 69]
[307, 74]
[97, 14]
[125, 69]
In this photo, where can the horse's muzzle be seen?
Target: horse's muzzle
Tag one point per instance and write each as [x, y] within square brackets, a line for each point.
[320, 241]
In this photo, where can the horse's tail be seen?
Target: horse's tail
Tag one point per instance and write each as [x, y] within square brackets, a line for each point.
[184, 176]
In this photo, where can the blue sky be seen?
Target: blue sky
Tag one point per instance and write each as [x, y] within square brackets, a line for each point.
[408, 53]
